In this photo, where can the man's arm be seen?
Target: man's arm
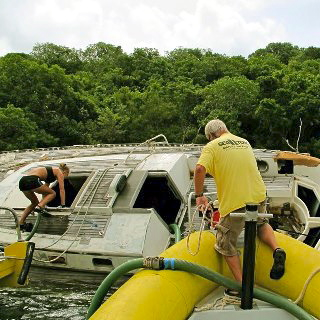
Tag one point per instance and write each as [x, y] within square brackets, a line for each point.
[199, 176]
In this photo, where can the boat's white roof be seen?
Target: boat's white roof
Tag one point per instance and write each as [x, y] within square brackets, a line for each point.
[78, 155]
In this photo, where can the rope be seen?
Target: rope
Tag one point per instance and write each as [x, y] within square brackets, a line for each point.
[92, 194]
[191, 228]
[303, 291]
[222, 302]
[2, 258]
[219, 303]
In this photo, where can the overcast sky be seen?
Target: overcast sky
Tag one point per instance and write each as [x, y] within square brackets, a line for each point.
[232, 27]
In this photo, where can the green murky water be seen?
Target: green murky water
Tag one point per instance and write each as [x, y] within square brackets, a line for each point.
[46, 298]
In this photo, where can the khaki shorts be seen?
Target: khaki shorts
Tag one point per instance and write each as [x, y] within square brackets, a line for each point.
[228, 231]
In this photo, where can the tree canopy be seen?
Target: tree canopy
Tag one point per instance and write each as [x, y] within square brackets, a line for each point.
[57, 96]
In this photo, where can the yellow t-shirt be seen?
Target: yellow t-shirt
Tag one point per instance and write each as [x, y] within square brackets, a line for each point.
[230, 160]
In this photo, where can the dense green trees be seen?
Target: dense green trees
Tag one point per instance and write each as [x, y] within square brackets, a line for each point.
[16, 130]
[58, 96]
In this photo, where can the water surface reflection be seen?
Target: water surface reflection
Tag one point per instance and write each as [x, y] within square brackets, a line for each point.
[47, 297]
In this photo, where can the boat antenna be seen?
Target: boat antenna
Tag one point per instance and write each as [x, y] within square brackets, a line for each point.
[296, 149]
[196, 134]
[185, 132]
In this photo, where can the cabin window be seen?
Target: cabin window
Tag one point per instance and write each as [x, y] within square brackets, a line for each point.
[310, 199]
[101, 262]
[157, 193]
[285, 166]
[262, 166]
[57, 260]
[313, 237]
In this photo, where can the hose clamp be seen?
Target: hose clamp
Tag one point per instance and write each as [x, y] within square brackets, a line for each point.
[155, 263]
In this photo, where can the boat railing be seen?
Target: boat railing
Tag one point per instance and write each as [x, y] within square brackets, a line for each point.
[148, 142]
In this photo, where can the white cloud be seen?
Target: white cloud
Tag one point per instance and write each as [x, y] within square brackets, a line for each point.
[225, 26]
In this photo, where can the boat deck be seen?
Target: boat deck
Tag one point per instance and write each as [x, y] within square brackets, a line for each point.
[216, 306]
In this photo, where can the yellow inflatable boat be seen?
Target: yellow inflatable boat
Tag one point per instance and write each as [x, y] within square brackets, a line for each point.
[15, 263]
[16, 258]
[165, 295]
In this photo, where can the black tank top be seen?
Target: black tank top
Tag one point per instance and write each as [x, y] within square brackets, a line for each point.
[50, 176]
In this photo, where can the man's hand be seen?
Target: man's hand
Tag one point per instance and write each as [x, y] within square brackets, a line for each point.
[202, 203]
[199, 176]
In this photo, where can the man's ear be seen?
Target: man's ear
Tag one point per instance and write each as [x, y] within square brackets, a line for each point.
[213, 136]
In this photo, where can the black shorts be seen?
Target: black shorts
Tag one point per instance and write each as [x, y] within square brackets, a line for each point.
[28, 183]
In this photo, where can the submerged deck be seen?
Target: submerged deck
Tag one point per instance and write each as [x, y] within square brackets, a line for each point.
[158, 191]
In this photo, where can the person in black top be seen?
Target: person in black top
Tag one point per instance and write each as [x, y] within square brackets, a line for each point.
[32, 183]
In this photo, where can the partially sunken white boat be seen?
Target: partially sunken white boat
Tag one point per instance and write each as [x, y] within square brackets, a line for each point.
[122, 199]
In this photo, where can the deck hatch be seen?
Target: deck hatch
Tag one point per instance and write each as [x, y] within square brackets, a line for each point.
[158, 193]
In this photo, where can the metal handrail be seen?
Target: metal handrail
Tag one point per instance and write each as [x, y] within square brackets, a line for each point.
[147, 142]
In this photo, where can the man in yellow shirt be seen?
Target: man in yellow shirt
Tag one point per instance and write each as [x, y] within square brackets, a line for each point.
[229, 159]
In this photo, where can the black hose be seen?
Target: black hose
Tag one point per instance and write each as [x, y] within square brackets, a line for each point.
[26, 264]
[295, 232]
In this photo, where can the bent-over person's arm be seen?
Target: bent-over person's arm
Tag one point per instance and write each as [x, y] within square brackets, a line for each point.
[60, 178]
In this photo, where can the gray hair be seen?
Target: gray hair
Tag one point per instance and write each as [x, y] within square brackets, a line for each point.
[214, 126]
